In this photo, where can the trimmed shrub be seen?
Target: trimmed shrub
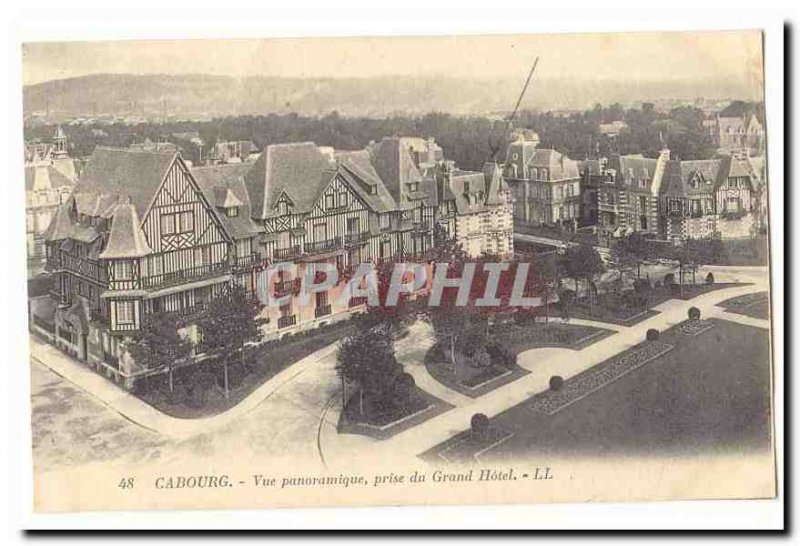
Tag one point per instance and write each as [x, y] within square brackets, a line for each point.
[556, 382]
[479, 424]
[694, 313]
[652, 334]
[633, 300]
[710, 278]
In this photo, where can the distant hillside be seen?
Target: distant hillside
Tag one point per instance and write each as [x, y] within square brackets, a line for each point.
[195, 96]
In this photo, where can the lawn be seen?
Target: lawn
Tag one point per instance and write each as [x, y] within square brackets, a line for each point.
[264, 362]
[420, 407]
[708, 393]
[511, 339]
[612, 308]
[751, 305]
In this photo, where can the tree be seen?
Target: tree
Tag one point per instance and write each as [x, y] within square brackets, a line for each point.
[367, 359]
[159, 345]
[230, 322]
[582, 262]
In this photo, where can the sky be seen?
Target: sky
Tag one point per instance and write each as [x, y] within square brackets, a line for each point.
[733, 56]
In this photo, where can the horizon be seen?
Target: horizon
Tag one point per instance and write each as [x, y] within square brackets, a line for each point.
[734, 58]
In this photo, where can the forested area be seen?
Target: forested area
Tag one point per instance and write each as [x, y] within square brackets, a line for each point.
[466, 140]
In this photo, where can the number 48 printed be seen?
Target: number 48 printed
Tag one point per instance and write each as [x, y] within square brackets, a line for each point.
[126, 483]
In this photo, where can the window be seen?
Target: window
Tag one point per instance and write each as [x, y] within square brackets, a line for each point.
[283, 207]
[156, 265]
[202, 256]
[232, 212]
[329, 203]
[353, 225]
[123, 270]
[373, 190]
[179, 222]
[342, 198]
[243, 247]
[186, 222]
[384, 221]
[320, 232]
[124, 312]
[168, 224]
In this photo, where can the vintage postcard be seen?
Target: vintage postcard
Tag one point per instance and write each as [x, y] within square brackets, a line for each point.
[398, 271]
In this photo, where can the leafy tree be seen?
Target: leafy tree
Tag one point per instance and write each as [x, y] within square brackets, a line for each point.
[367, 359]
[228, 325]
[159, 345]
[582, 262]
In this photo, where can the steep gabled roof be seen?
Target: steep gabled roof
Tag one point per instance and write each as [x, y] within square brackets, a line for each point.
[295, 168]
[126, 238]
[394, 165]
[45, 177]
[495, 184]
[122, 171]
[356, 169]
[224, 186]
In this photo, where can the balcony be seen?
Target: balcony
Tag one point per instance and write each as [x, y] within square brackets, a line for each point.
[85, 268]
[357, 301]
[355, 238]
[290, 286]
[322, 311]
[285, 254]
[327, 245]
[246, 261]
[286, 321]
[184, 276]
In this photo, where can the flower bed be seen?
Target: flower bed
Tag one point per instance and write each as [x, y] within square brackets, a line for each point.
[587, 382]
[468, 446]
[695, 327]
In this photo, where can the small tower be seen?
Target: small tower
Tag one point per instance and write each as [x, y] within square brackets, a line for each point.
[59, 144]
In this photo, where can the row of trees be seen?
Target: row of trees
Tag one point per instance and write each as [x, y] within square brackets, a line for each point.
[223, 330]
[466, 140]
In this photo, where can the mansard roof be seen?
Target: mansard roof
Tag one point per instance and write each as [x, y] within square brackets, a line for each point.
[126, 238]
[295, 168]
[134, 173]
[525, 154]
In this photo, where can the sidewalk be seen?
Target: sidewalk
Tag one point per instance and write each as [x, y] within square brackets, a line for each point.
[146, 416]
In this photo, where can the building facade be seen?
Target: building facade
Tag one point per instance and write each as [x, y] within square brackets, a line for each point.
[739, 136]
[545, 184]
[49, 179]
[724, 197]
[144, 233]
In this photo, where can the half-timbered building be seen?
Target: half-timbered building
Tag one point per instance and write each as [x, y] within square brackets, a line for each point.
[137, 236]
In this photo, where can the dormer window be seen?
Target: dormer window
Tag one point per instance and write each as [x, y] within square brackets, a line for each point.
[283, 208]
[373, 190]
[413, 186]
[232, 212]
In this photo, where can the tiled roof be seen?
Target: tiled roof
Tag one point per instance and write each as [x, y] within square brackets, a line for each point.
[395, 166]
[356, 168]
[45, 177]
[224, 185]
[495, 182]
[126, 238]
[296, 169]
[125, 172]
